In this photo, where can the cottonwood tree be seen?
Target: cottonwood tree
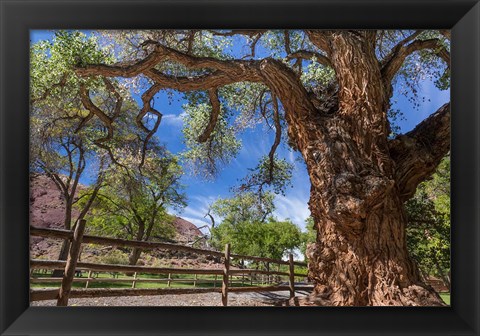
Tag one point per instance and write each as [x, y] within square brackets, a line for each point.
[134, 202]
[64, 158]
[247, 222]
[271, 238]
[244, 207]
[65, 143]
[332, 92]
[60, 148]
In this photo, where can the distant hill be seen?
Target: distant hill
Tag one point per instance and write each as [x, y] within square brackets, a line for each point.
[47, 211]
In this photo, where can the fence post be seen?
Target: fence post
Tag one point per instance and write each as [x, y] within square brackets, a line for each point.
[291, 276]
[88, 277]
[169, 282]
[195, 280]
[226, 268]
[268, 275]
[69, 273]
[134, 279]
[243, 274]
[215, 281]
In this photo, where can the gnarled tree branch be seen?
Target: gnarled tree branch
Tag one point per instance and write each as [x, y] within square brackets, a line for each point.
[106, 120]
[278, 135]
[215, 102]
[399, 53]
[320, 39]
[308, 55]
[418, 152]
[147, 97]
[281, 80]
[203, 82]
[89, 105]
[159, 54]
[122, 70]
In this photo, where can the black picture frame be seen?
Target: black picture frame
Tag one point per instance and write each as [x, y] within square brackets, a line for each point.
[18, 17]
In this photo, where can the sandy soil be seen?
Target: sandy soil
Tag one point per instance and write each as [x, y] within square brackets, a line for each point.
[205, 299]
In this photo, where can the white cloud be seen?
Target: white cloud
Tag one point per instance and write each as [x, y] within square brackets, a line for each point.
[293, 207]
[196, 210]
[173, 119]
[193, 212]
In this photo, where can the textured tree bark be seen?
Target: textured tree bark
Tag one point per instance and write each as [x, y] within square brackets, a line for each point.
[360, 257]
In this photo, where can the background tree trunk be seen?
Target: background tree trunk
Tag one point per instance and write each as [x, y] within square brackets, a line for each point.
[63, 254]
[134, 256]
[135, 253]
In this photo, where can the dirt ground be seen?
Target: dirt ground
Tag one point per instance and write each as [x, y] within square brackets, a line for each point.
[204, 299]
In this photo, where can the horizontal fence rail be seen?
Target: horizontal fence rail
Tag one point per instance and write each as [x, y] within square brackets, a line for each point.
[48, 280]
[56, 264]
[87, 239]
[224, 277]
[270, 260]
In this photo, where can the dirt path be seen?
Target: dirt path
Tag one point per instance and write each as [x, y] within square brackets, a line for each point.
[206, 299]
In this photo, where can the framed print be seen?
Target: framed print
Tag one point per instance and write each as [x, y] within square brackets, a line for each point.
[106, 105]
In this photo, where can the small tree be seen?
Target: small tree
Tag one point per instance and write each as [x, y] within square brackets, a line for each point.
[134, 202]
[249, 226]
[66, 141]
[244, 207]
[271, 239]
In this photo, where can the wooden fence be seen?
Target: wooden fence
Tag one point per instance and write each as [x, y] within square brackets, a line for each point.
[228, 275]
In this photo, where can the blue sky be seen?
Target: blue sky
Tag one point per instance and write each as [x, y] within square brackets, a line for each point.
[256, 142]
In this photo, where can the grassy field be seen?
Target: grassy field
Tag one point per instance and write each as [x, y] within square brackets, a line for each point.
[445, 297]
[189, 281]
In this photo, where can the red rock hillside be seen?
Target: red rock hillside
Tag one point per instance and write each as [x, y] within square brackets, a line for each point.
[47, 211]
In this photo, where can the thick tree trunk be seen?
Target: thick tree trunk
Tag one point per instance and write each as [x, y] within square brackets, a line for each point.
[366, 264]
[360, 257]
